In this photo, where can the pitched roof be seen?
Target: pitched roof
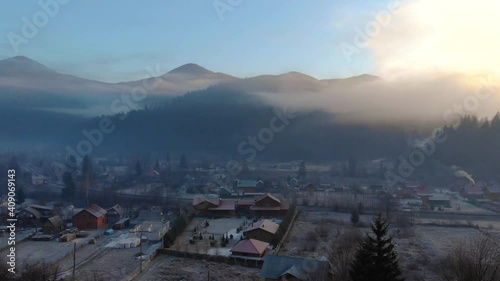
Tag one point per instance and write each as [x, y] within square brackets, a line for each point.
[244, 202]
[265, 225]
[33, 211]
[224, 205]
[248, 183]
[493, 187]
[56, 221]
[250, 246]
[40, 207]
[283, 206]
[265, 196]
[421, 190]
[213, 201]
[94, 210]
[117, 208]
[275, 267]
[476, 188]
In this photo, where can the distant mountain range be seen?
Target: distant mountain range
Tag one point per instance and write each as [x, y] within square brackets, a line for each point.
[189, 108]
[25, 76]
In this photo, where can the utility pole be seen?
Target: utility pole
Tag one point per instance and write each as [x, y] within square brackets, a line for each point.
[140, 243]
[74, 260]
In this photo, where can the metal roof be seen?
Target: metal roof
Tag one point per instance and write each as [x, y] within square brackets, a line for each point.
[275, 267]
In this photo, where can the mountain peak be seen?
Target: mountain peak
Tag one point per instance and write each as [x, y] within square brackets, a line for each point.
[296, 75]
[190, 68]
[364, 77]
[21, 65]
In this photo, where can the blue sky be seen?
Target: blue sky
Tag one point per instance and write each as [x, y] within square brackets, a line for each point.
[116, 40]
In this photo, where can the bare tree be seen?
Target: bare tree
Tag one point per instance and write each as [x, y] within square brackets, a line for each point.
[39, 272]
[475, 260]
[343, 251]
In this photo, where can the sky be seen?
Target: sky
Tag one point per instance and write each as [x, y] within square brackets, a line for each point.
[116, 40]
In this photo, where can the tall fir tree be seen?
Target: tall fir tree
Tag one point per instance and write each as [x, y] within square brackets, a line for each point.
[376, 259]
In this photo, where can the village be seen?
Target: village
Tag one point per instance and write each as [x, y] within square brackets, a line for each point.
[267, 223]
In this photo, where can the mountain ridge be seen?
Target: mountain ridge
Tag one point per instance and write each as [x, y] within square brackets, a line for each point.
[188, 68]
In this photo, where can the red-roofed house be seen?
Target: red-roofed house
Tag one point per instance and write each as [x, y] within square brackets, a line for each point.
[214, 207]
[92, 217]
[269, 205]
[473, 190]
[243, 205]
[262, 230]
[250, 248]
[265, 205]
[201, 205]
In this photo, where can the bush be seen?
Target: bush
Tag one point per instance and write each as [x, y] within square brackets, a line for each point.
[477, 259]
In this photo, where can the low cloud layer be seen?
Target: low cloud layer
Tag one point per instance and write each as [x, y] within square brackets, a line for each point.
[423, 101]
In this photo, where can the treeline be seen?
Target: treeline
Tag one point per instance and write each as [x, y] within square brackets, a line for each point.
[215, 121]
[473, 145]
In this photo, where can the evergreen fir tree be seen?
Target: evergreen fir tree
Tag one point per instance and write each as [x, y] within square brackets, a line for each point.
[376, 259]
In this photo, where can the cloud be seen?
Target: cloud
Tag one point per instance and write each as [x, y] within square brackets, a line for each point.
[433, 37]
[417, 101]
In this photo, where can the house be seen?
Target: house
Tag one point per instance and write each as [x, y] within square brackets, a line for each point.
[155, 230]
[262, 230]
[121, 224]
[201, 205]
[154, 213]
[224, 193]
[92, 217]
[37, 179]
[422, 191]
[492, 191]
[436, 200]
[250, 248]
[214, 207]
[293, 182]
[114, 214]
[473, 191]
[54, 225]
[243, 206]
[46, 211]
[294, 268]
[28, 217]
[263, 205]
[269, 205]
[249, 186]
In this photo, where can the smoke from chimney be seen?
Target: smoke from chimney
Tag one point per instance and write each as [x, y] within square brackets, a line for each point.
[460, 173]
